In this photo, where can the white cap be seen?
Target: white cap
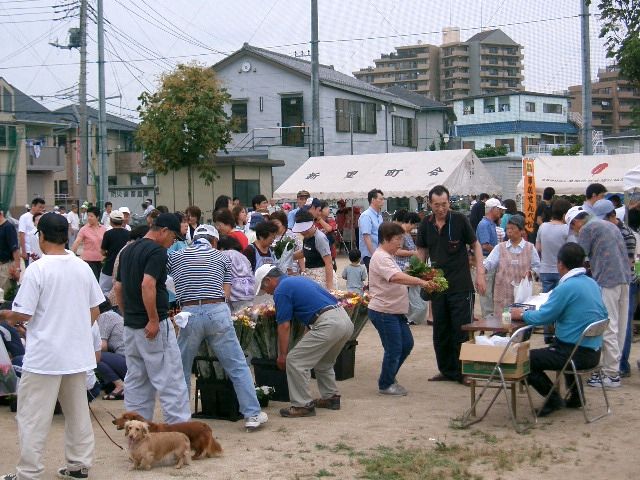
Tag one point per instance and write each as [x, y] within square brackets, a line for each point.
[206, 230]
[493, 203]
[301, 227]
[262, 272]
[125, 210]
[573, 212]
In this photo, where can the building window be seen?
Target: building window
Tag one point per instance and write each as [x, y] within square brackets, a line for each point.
[135, 179]
[61, 187]
[503, 104]
[493, 49]
[8, 136]
[245, 190]
[507, 142]
[529, 106]
[552, 107]
[239, 117]
[404, 132]
[467, 107]
[357, 116]
[469, 145]
[489, 105]
[112, 180]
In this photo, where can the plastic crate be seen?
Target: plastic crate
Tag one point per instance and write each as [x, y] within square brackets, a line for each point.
[218, 400]
[267, 373]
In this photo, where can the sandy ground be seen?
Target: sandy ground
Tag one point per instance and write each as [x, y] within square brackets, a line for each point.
[332, 442]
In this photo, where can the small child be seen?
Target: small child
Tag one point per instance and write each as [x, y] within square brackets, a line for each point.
[355, 274]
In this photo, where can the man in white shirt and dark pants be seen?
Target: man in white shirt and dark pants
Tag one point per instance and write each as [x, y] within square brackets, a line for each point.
[59, 353]
[27, 228]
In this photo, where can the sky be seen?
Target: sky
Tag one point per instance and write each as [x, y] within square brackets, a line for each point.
[145, 38]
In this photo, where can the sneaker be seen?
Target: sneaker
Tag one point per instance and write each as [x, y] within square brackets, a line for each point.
[609, 382]
[400, 387]
[64, 472]
[296, 412]
[394, 390]
[332, 403]
[256, 421]
[10, 476]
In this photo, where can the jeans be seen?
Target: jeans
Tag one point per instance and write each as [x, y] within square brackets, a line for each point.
[549, 282]
[634, 288]
[212, 322]
[397, 342]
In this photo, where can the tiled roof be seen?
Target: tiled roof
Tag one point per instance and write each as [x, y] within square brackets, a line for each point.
[421, 100]
[28, 110]
[113, 122]
[328, 75]
[519, 126]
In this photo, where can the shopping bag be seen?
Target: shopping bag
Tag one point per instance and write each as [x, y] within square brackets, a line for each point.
[418, 308]
[523, 290]
[8, 379]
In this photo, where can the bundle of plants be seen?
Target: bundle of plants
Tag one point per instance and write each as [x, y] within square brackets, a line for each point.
[436, 283]
[357, 306]
[265, 334]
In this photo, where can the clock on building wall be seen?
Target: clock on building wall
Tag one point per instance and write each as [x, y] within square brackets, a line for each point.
[246, 66]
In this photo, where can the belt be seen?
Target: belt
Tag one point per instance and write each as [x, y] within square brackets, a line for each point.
[202, 301]
[321, 311]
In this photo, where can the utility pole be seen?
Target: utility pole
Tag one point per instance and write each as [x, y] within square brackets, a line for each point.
[102, 114]
[315, 82]
[82, 108]
[587, 129]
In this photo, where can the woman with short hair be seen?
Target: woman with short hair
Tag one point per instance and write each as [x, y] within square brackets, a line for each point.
[90, 237]
[389, 305]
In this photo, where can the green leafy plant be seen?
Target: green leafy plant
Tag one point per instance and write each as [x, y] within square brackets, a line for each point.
[436, 283]
[285, 244]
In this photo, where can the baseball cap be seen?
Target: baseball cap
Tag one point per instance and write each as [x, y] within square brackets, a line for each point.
[209, 230]
[170, 221]
[262, 272]
[255, 219]
[573, 213]
[602, 208]
[315, 203]
[303, 193]
[117, 216]
[304, 221]
[493, 203]
[125, 210]
[51, 223]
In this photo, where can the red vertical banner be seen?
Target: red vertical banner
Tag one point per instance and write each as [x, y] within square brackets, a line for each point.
[529, 197]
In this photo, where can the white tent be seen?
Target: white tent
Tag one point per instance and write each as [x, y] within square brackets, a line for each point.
[631, 180]
[410, 174]
[571, 175]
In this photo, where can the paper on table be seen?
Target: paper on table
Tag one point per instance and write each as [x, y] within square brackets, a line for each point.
[538, 300]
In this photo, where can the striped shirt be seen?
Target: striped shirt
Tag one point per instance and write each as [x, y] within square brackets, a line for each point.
[199, 271]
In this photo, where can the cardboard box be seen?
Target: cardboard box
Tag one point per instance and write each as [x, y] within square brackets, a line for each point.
[479, 360]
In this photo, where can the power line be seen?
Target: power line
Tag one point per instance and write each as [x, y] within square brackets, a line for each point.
[262, 21]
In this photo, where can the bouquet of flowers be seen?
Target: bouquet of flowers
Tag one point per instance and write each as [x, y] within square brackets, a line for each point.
[356, 307]
[264, 392]
[244, 329]
[265, 337]
[436, 283]
[283, 250]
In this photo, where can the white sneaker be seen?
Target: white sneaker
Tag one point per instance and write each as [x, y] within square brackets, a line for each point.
[401, 388]
[394, 390]
[611, 382]
[256, 421]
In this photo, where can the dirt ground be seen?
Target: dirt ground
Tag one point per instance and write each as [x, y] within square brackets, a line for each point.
[333, 443]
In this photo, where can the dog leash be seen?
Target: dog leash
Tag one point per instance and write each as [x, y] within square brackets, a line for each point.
[102, 428]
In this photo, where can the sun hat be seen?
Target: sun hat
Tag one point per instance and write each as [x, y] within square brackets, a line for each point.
[573, 213]
[303, 222]
[262, 272]
[125, 210]
[493, 203]
[117, 216]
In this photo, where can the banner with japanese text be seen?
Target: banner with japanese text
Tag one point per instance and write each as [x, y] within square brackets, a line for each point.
[529, 198]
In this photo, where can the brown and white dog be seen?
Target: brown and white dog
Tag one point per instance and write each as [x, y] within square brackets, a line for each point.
[147, 449]
[199, 433]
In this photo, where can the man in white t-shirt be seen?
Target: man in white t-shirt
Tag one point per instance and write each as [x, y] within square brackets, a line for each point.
[59, 353]
[26, 227]
[74, 223]
[108, 206]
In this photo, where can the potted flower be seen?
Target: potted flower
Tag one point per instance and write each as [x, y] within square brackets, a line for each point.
[264, 394]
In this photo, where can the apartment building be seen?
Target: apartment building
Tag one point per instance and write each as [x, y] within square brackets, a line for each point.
[486, 63]
[413, 67]
[612, 101]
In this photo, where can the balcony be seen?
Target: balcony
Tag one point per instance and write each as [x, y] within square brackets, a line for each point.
[263, 138]
[129, 162]
[45, 159]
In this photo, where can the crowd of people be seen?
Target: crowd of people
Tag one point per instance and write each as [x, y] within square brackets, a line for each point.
[130, 280]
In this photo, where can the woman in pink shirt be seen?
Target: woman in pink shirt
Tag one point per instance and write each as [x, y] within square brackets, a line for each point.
[90, 237]
[389, 305]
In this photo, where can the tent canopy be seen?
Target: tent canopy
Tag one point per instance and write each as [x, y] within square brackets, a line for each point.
[571, 175]
[409, 174]
[631, 180]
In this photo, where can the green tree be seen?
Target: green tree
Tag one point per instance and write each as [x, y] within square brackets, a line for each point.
[572, 150]
[490, 151]
[184, 123]
[621, 31]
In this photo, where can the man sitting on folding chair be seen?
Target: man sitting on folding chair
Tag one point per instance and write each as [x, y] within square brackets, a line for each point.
[573, 305]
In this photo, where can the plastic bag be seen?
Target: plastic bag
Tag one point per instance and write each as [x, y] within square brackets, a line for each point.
[523, 290]
[418, 308]
[8, 379]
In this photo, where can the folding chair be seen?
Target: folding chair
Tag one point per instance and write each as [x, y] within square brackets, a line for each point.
[498, 381]
[595, 329]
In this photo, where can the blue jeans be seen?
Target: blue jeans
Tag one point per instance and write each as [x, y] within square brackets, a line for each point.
[626, 349]
[549, 282]
[397, 342]
[212, 322]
